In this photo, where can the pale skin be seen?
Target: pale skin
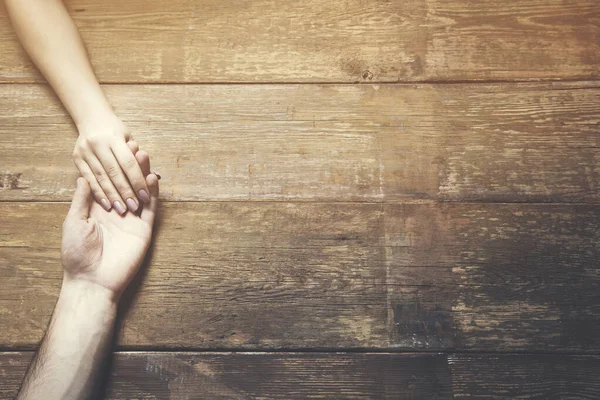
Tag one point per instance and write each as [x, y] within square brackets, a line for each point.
[101, 253]
[101, 154]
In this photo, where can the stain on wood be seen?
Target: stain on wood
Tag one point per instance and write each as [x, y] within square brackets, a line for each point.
[314, 41]
[499, 142]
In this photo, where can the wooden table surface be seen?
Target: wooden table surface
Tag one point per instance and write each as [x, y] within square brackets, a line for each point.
[385, 199]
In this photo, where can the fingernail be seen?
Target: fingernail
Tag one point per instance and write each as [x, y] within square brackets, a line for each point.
[105, 204]
[155, 172]
[132, 205]
[144, 196]
[119, 207]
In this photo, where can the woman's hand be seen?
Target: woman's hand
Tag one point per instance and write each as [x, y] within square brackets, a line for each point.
[103, 249]
[106, 161]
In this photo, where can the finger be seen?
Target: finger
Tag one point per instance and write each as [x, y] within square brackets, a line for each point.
[117, 177]
[87, 173]
[106, 184]
[143, 160]
[82, 200]
[149, 210]
[133, 146]
[132, 170]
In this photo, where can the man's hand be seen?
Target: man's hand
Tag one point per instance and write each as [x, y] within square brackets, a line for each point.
[103, 158]
[101, 253]
[104, 249]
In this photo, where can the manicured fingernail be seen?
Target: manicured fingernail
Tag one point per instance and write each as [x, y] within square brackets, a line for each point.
[132, 205]
[144, 196]
[105, 204]
[119, 207]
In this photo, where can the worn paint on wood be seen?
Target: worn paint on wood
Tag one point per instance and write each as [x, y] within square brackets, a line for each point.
[497, 142]
[331, 41]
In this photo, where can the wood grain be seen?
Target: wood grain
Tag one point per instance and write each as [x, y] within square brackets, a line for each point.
[273, 275]
[493, 142]
[498, 277]
[528, 376]
[262, 376]
[147, 375]
[221, 275]
[340, 41]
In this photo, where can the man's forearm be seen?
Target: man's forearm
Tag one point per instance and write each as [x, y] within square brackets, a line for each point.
[52, 40]
[70, 358]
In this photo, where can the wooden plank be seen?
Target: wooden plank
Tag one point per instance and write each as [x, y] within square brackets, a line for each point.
[527, 376]
[333, 275]
[148, 375]
[222, 275]
[316, 41]
[493, 142]
[262, 376]
[494, 276]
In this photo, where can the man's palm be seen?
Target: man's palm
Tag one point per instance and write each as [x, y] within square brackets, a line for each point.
[103, 247]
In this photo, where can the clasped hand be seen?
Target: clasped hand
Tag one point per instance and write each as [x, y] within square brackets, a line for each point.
[104, 249]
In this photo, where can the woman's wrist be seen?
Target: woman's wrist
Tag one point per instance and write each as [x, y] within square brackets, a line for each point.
[101, 123]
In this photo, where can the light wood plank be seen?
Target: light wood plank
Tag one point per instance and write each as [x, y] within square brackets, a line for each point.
[221, 275]
[333, 275]
[335, 41]
[497, 142]
[494, 276]
[262, 376]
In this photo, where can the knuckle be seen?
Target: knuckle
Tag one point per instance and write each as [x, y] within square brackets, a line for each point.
[125, 190]
[112, 170]
[95, 140]
[100, 177]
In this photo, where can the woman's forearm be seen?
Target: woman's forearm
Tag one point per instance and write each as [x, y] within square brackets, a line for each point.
[52, 41]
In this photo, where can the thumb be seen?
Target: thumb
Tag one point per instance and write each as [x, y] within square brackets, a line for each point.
[82, 200]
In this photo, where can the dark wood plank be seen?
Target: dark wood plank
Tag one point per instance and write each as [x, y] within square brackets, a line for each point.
[525, 376]
[499, 142]
[221, 275]
[147, 375]
[316, 41]
[262, 376]
[334, 275]
[494, 276]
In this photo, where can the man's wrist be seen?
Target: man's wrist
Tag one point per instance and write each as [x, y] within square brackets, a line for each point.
[90, 295]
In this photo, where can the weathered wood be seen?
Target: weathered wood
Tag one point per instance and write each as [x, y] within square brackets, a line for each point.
[339, 41]
[525, 376]
[334, 275]
[222, 275]
[148, 375]
[497, 142]
[494, 276]
[262, 376]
